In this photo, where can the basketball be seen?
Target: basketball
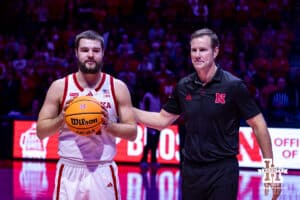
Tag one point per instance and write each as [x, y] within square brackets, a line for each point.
[83, 115]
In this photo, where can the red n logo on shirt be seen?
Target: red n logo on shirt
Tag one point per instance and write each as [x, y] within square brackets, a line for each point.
[220, 98]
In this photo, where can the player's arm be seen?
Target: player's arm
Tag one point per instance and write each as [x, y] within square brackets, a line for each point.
[126, 128]
[50, 119]
[259, 127]
[156, 120]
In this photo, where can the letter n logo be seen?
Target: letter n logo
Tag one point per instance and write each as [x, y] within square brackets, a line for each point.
[220, 98]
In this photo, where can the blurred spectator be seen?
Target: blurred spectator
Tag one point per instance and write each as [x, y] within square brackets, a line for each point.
[27, 91]
[279, 103]
[156, 32]
[257, 9]
[155, 53]
[280, 66]
[128, 76]
[254, 91]
[165, 78]
[34, 109]
[145, 65]
[284, 38]
[179, 59]
[266, 91]
[9, 92]
[272, 11]
[295, 95]
[151, 102]
[199, 10]
[242, 12]
[125, 46]
[262, 67]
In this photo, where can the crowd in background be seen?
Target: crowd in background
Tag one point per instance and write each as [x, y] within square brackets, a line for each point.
[148, 41]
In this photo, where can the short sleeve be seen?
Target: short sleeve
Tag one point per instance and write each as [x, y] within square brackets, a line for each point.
[173, 103]
[246, 104]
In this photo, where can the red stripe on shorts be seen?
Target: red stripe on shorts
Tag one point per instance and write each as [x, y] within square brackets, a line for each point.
[114, 180]
[59, 181]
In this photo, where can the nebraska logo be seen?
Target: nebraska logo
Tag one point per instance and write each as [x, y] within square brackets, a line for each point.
[220, 98]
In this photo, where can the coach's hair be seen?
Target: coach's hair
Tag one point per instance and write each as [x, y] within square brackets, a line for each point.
[89, 34]
[205, 31]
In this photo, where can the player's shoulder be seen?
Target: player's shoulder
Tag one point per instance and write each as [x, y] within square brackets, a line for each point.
[117, 83]
[58, 83]
[187, 79]
[229, 77]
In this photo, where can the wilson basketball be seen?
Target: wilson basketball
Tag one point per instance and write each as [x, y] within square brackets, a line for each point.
[83, 115]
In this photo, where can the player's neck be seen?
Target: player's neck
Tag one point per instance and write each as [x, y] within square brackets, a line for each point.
[89, 80]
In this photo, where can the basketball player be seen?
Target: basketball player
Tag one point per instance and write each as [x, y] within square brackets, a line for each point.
[86, 169]
[212, 102]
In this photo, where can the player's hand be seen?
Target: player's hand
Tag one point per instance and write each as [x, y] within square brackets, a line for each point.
[105, 118]
[61, 116]
[68, 103]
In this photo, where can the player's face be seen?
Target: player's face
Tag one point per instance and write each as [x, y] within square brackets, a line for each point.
[202, 53]
[90, 56]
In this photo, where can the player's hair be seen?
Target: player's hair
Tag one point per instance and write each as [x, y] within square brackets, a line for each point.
[206, 31]
[89, 34]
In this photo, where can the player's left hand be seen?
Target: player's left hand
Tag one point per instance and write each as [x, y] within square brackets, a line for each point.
[106, 122]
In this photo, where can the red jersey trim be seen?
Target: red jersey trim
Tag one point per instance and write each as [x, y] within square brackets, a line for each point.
[77, 83]
[97, 88]
[65, 93]
[103, 77]
[114, 94]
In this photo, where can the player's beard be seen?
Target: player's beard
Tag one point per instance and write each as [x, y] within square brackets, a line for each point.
[84, 69]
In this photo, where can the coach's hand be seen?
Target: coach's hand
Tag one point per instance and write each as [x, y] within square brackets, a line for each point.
[276, 189]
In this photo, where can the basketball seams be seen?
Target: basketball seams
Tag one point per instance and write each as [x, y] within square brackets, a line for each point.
[83, 113]
[83, 116]
[80, 100]
[83, 128]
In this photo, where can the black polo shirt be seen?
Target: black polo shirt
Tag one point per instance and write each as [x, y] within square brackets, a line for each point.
[212, 114]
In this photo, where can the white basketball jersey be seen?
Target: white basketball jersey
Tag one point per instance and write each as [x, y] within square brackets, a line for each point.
[93, 148]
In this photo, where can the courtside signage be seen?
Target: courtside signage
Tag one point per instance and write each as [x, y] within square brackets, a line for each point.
[285, 141]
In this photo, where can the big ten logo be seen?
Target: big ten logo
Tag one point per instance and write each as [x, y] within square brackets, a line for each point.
[271, 174]
[161, 184]
[168, 148]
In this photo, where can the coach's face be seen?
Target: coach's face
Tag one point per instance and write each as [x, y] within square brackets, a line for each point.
[90, 56]
[202, 53]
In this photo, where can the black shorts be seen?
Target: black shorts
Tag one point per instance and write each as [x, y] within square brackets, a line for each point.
[210, 181]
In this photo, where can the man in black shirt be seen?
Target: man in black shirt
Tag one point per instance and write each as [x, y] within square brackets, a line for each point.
[212, 102]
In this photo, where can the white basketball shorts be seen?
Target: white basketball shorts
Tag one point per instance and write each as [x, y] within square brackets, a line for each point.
[75, 181]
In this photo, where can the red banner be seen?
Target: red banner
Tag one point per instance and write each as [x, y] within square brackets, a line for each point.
[286, 144]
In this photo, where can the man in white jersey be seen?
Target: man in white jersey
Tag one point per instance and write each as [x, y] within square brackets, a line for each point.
[86, 169]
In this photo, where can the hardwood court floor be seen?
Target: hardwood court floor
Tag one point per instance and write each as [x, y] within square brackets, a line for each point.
[27, 180]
